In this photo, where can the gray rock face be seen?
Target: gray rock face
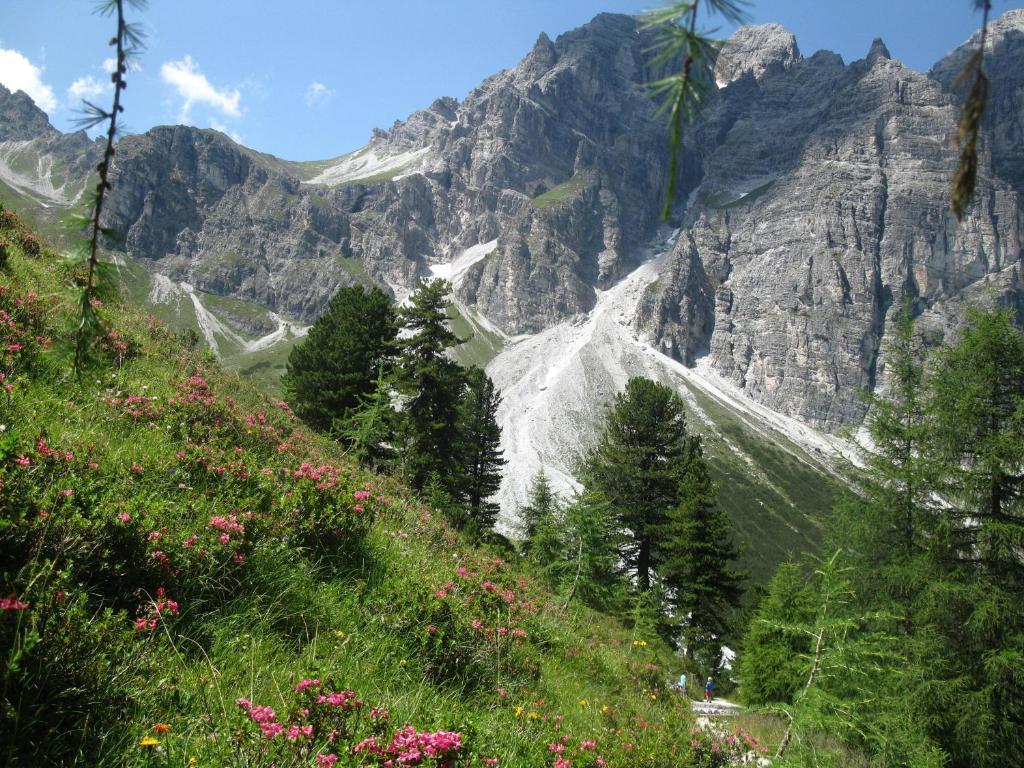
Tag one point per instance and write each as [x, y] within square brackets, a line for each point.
[559, 159]
[824, 205]
[205, 211]
[765, 49]
[21, 119]
[36, 160]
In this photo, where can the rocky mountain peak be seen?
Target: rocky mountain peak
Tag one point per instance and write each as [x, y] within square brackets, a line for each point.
[1004, 64]
[762, 49]
[20, 118]
[878, 51]
[541, 58]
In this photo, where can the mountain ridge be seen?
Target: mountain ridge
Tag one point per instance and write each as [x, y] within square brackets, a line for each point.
[815, 197]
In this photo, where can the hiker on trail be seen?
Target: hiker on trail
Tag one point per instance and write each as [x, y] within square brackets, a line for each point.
[709, 690]
[682, 683]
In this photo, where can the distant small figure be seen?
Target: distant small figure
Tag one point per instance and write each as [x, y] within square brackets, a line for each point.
[709, 690]
[682, 683]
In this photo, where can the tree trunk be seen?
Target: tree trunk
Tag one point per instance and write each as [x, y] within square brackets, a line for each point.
[643, 565]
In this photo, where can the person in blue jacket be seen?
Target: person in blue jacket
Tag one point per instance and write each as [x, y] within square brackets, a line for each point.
[709, 690]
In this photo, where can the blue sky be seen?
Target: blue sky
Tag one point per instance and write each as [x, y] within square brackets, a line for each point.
[309, 79]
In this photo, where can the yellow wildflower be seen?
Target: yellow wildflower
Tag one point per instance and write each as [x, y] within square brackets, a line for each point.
[148, 741]
[340, 634]
[533, 715]
[654, 697]
[519, 711]
[605, 709]
[402, 662]
[640, 643]
[192, 760]
[584, 703]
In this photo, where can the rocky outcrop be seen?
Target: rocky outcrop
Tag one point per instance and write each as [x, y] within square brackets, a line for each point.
[825, 205]
[766, 49]
[559, 159]
[21, 119]
[36, 160]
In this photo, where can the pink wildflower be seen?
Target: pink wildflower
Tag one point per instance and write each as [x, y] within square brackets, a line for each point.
[12, 603]
[306, 683]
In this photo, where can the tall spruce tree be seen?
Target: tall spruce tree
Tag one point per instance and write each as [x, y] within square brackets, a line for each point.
[771, 666]
[698, 562]
[350, 346]
[543, 525]
[432, 383]
[637, 466]
[481, 458]
[978, 408]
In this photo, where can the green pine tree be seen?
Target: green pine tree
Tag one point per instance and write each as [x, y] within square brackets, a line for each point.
[977, 405]
[976, 413]
[853, 674]
[541, 506]
[698, 559]
[887, 526]
[542, 519]
[480, 438]
[432, 384]
[637, 466]
[350, 346]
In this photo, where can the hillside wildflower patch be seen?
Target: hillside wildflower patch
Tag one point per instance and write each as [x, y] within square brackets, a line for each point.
[190, 577]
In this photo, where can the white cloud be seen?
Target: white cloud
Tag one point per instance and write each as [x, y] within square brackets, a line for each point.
[317, 94]
[109, 65]
[20, 74]
[194, 88]
[87, 87]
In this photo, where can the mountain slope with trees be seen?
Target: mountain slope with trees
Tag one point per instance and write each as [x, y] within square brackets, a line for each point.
[190, 576]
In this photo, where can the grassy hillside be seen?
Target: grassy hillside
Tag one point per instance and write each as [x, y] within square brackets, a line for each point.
[192, 578]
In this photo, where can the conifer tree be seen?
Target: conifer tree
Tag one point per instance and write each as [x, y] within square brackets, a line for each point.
[432, 384]
[976, 410]
[591, 551]
[771, 667]
[541, 507]
[853, 674]
[481, 458]
[637, 466]
[369, 429]
[350, 346]
[887, 527]
[697, 558]
[543, 523]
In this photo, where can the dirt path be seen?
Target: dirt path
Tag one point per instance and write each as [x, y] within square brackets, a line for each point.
[717, 708]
